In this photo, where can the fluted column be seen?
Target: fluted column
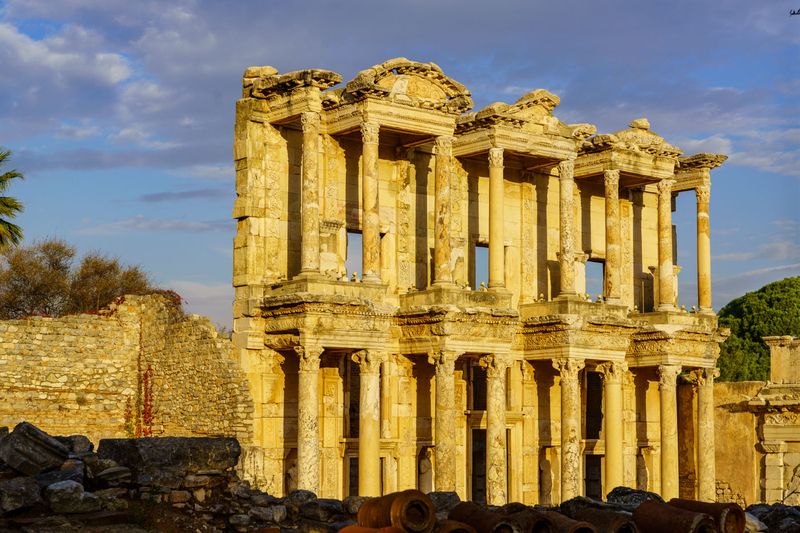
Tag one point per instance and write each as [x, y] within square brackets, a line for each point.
[441, 245]
[496, 458]
[309, 207]
[370, 218]
[613, 374]
[445, 436]
[613, 269]
[566, 228]
[308, 465]
[667, 375]
[706, 464]
[497, 269]
[703, 248]
[666, 276]
[369, 423]
[570, 426]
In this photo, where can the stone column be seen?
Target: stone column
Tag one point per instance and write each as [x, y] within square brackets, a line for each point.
[703, 248]
[441, 247]
[445, 423]
[309, 208]
[496, 457]
[386, 398]
[613, 374]
[369, 423]
[308, 417]
[774, 475]
[706, 472]
[570, 426]
[669, 430]
[497, 270]
[666, 289]
[566, 257]
[613, 269]
[370, 218]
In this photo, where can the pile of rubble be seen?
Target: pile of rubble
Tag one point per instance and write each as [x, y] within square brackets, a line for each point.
[60, 484]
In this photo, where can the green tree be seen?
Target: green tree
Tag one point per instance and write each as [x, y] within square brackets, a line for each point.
[42, 279]
[10, 233]
[774, 309]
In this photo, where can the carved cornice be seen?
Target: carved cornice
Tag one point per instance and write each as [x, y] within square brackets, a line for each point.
[536, 106]
[702, 160]
[267, 86]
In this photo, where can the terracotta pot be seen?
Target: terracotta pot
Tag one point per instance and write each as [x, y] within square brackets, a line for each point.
[409, 510]
[362, 529]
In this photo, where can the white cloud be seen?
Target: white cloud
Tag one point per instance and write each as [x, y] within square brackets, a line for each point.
[63, 57]
[730, 287]
[717, 144]
[140, 223]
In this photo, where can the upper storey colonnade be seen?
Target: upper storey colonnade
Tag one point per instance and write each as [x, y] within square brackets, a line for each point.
[404, 105]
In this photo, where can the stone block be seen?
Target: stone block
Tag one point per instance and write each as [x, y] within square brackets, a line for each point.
[165, 461]
[69, 497]
[30, 450]
[18, 493]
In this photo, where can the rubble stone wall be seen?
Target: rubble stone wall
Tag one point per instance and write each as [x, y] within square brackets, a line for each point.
[140, 367]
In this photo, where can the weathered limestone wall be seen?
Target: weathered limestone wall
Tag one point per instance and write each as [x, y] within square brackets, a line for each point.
[69, 375]
[138, 367]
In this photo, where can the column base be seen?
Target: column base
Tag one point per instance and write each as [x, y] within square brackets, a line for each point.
[666, 307]
[371, 278]
[309, 274]
[569, 296]
[707, 311]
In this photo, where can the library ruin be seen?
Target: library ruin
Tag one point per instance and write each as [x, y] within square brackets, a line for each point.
[410, 372]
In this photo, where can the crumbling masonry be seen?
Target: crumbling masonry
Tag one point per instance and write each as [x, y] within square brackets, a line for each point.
[408, 373]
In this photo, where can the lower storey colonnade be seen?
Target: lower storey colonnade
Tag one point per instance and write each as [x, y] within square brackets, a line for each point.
[487, 426]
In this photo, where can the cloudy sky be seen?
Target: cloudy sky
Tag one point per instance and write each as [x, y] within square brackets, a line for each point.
[120, 113]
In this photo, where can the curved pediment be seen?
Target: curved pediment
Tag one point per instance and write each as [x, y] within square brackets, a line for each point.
[410, 83]
[637, 137]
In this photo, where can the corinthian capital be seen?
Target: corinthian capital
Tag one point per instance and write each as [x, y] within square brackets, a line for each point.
[309, 121]
[495, 157]
[703, 376]
[568, 368]
[369, 132]
[613, 371]
[308, 357]
[444, 145]
[665, 186]
[566, 169]
[495, 364]
[703, 193]
[611, 178]
[445, 361]
[369, 361]
[667, 375]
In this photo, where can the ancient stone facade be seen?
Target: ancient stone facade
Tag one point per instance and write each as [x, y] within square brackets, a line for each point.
[411, 373]
[140, 367]
[758, 459]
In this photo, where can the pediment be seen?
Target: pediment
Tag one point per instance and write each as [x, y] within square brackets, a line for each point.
[410, 83]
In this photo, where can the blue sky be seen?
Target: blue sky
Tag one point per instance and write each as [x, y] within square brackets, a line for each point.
[120, 113]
